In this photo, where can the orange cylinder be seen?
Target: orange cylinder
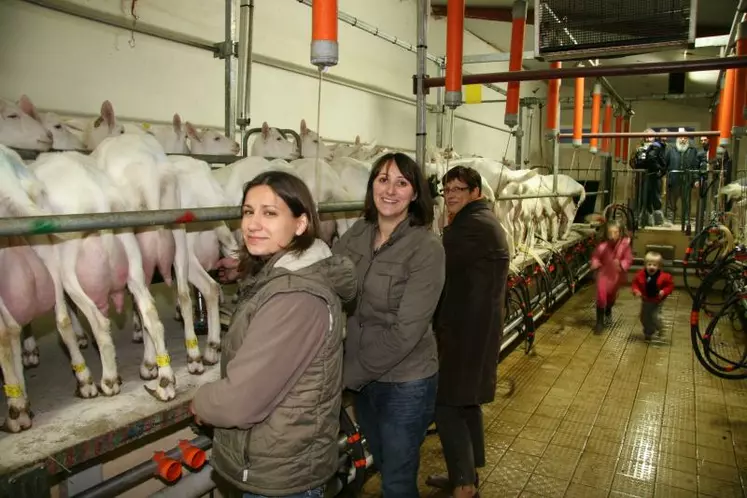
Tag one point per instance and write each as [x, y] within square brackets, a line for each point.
[518, 26]
[740, 78]
[607, 126]
[596, 104]
[626, 140]
[726, 109]
[618, 140]
[578, 112]
[454, 52]
[324, 51]
[553, 103]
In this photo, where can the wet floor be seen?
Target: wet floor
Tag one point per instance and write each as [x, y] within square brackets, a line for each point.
[609, 415]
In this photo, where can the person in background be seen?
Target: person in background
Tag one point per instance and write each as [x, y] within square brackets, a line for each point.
[469, 328]
[651, 157]
[612, 259]
[682, 157]
[390, 350]
[276, 408]
[653, 285]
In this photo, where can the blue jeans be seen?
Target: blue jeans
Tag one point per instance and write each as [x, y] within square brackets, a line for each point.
[312, 493]
[394, 417]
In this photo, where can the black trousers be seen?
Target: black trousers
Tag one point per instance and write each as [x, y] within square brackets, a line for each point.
[463, 440]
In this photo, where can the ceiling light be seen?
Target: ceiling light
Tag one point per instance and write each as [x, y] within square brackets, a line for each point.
[709, 77]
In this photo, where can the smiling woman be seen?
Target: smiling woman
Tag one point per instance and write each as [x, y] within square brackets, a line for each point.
[281, 363]
[390, 350]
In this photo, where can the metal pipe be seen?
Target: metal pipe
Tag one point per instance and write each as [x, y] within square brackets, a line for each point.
[116, 21]
[598, 71]
[230, 108]
[502, 198]
[440, 113]
[130, 478]
[636, 134]
[39, 225]
[519, 135]
[741, 8]
[423, 8]
[244, 96]
[653, 97]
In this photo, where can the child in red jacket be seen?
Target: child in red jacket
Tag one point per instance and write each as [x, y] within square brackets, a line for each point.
[612, 258]
[652, 285]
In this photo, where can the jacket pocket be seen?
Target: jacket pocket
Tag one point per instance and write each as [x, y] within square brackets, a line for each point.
[230, 452]
[393, 278]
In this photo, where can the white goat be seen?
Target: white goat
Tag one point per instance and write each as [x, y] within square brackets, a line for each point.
[147, 180]
[270, 143]
[19, 130]
[30, 287]
[96, 130]
[62, 137]
[200, 142]
[172, 138]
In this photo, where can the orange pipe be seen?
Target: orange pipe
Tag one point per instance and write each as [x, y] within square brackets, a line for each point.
[607, 126]
[324, 50]
[553, 103]
[727, 108]
[167, 468]
[596, 104]
[618, 140]
[578, 112]
[740, 81]
[626, 141]
[518, 26]
[454, 52]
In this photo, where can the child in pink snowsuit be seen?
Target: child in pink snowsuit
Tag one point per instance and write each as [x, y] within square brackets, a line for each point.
[612, 259]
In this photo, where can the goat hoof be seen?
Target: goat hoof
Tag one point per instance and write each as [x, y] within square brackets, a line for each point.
[164, 390]
[195, 366]
[148, 371]
[137, 336]
[86, 389]
[212, 354]
[31, 358]
[82, 342]
[109, 387]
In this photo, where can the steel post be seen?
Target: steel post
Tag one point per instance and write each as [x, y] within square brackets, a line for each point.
[244, 95]
[423, 8]
[229, 83]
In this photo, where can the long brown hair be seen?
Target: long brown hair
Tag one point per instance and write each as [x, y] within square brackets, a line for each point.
[420, 209]
[294, 192]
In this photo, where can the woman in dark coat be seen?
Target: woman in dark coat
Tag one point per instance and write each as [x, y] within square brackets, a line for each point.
[469, 325]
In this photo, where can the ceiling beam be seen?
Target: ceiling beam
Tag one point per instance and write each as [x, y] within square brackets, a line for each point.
[503, 14]
[484, 13]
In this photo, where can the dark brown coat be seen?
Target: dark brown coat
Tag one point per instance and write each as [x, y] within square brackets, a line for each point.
[469, 323]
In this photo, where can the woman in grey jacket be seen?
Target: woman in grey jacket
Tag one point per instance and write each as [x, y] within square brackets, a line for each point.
[390, 349]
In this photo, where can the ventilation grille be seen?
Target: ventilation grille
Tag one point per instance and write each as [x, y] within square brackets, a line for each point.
[581, 29]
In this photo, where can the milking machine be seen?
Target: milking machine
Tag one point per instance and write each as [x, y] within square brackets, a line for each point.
[722, 297]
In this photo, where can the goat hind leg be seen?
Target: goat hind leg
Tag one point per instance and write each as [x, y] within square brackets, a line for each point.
[30, 356]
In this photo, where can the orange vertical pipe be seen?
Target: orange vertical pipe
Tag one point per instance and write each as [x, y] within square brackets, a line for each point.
[607, 126]
[324, 32]
[626, 140]
[618, 140]
[740, 81]
[518, 26]
[454, 52]
[578, 112]
[726, 109]
[596, 104]
[553, 103]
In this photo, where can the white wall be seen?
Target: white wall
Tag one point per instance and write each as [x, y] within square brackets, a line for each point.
[71, 65]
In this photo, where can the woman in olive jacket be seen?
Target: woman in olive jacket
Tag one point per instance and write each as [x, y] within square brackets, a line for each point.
[390, 349]
[276, 408]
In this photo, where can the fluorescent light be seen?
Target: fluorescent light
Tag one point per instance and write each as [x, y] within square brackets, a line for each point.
[704, 76]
